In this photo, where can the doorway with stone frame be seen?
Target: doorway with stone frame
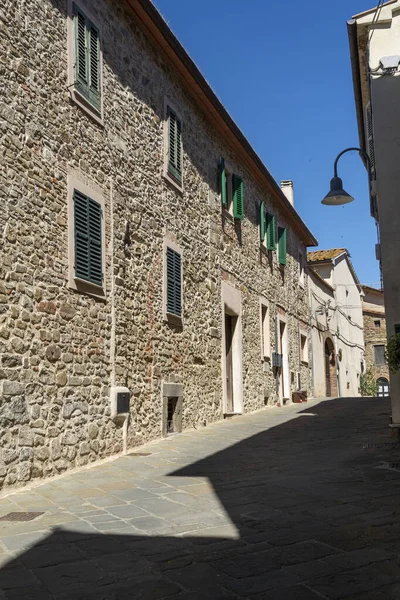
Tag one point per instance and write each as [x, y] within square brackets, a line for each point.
[232, 351]
[330, 369]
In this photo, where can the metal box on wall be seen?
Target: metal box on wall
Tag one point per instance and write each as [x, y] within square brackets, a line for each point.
[120, 402]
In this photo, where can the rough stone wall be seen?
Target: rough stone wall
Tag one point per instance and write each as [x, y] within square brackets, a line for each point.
[60, 349]
[374, 335]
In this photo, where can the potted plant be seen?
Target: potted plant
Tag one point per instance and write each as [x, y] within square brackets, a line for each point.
[368, 386]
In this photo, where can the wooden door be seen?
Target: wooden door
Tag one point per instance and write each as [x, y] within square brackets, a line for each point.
[229, 363]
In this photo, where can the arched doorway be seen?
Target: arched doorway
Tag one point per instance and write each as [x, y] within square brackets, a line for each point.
[330, 368]
[383, 387]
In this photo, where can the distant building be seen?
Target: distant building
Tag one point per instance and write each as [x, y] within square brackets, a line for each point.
[375, 337]
[375, 57]
[336, 320]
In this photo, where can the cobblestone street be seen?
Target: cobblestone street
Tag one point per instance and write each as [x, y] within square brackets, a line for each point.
[300, 502]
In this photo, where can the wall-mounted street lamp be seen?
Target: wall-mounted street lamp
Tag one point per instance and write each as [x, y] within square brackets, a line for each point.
[337, 195]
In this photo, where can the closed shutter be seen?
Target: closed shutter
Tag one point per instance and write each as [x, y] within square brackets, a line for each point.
[94, 65]
[222, 180]
[370, 138]
[88, 239]
[87, 58]
[379, 355]
[262, 221]
[174, 145]
[271, 242]
[174, 282]
[282, 245]
[238, 197]
[81, 50]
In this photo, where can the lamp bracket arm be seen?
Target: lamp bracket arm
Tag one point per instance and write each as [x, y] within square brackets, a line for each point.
[360, 151]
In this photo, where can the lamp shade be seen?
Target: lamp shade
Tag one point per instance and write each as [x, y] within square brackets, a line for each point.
[337, 195]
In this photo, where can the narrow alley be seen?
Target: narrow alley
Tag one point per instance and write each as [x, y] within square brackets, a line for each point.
[298, 503]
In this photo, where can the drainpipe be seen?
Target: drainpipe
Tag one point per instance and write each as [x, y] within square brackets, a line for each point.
[114, 318]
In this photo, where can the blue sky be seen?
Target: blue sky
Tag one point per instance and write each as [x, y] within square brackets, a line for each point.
[282, 70]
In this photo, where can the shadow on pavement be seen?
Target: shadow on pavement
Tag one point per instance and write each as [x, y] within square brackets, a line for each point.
[315, 518]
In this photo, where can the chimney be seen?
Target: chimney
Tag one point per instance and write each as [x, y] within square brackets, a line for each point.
[287, 189]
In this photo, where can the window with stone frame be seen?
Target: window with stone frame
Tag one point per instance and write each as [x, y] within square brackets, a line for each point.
[85, 79]
[379, 354]
[303, 348]
[265, 330]
[232, 191]
[301, 268]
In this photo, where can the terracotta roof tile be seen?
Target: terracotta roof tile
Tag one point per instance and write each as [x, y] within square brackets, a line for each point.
[319, 255]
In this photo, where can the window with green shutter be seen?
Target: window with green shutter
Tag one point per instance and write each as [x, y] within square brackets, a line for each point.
[174, 146]
[282, 245]
[174, 282]
[262, 222]
[87, 59]
[238, 197]
[223, 182]
[271, 242]
[88, 239]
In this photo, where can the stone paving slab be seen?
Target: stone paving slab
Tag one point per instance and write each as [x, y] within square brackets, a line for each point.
[283, 504]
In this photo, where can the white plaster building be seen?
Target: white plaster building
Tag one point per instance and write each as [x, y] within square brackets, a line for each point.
[375, 56]
[336, 318]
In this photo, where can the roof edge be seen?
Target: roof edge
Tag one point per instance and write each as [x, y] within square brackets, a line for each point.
[151, 20]
[356, 77]
[371, 10]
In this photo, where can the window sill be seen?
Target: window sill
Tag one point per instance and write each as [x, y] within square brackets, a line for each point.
[227, 216]
[173, 319]
[85, 287]
[304, 363]
[89, 109]
[170, 179]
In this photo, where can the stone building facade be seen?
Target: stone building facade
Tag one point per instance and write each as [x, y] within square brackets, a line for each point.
[90, 95]
[375, 336]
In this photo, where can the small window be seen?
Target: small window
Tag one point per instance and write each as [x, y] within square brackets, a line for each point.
[377, 323]
[232, 191]
[267, 228]
[282, 245]
[174, 151]
[265, 336]
[303, 348]
[301, 269]
[379, 354]
[88, 263]
[87, 59]
[173, 282]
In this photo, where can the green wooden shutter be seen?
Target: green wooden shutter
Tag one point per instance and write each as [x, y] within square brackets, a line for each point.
[223, 181]
[87, 58]
[174, 282]
[271, 242]
[81, 50]
[88, 239]
[238, 197]
[94, 65]
[174, 145]
[282, 245]
[262, 221]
